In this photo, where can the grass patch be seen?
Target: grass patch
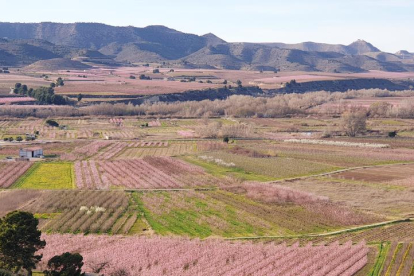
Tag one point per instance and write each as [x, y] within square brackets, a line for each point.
[139, 226]
[221, 171]
[47, 176]
[46, 215]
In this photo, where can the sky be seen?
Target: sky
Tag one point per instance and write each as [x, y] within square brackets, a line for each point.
[387, 24]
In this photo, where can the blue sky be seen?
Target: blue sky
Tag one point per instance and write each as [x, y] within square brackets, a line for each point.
[387, 24]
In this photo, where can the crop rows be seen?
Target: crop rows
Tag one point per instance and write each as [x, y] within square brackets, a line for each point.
[85, 151]
[403, 232]
[116, 121]
[337, 143]
[11, 171]
[173, 149]
[220, 213]
[170, 256]
[148, 144]
[148, 173]
[394, 259]
[85, 133]
[5, 124]
[81, 211]
[118, 134]
[210, 145]
[110, 151]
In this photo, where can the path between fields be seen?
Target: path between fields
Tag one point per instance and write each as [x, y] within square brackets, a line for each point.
[333, 233]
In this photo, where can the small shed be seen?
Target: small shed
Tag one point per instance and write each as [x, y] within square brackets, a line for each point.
[31, 152]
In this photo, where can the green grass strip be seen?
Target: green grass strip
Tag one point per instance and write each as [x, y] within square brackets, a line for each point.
[379, 264]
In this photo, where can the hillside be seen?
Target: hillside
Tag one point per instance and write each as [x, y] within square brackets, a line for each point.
[25, 43]
[21, 52]
[358, 47]
[56, 64]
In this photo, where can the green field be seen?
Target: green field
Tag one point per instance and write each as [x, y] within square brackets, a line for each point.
[221, 213]
[273, 167]
[47, 176]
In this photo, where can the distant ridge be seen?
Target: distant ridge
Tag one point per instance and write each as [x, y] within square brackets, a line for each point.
[25, 43]
[57, 64]
[358, 47]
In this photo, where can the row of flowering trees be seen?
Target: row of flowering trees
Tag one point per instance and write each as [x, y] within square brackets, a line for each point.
[177, 256]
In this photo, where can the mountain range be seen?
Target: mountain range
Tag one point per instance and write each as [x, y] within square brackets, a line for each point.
[25, 43]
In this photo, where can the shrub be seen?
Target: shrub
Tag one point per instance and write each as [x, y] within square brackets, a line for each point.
[52, 123]
[392, 134]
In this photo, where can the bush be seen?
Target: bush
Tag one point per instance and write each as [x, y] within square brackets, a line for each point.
[392, 134]
[52, 123]
[59, 82]
[156, 71]
[226, 139]
[143, 77]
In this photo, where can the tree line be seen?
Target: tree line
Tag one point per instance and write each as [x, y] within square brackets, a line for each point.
[283, 105]
[44, 95]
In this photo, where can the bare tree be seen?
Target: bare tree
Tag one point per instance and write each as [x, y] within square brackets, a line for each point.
[354, 122]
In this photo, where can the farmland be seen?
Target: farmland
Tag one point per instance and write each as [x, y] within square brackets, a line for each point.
[147, 173]
[202, 214]
[186, 257]
[10, 172]
[110, 185]
[154, 152]
[47, 176]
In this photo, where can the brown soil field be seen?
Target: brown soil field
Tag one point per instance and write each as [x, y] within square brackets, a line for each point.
[381, 198]
[9, 80]
[379, 174]
[106, 81]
